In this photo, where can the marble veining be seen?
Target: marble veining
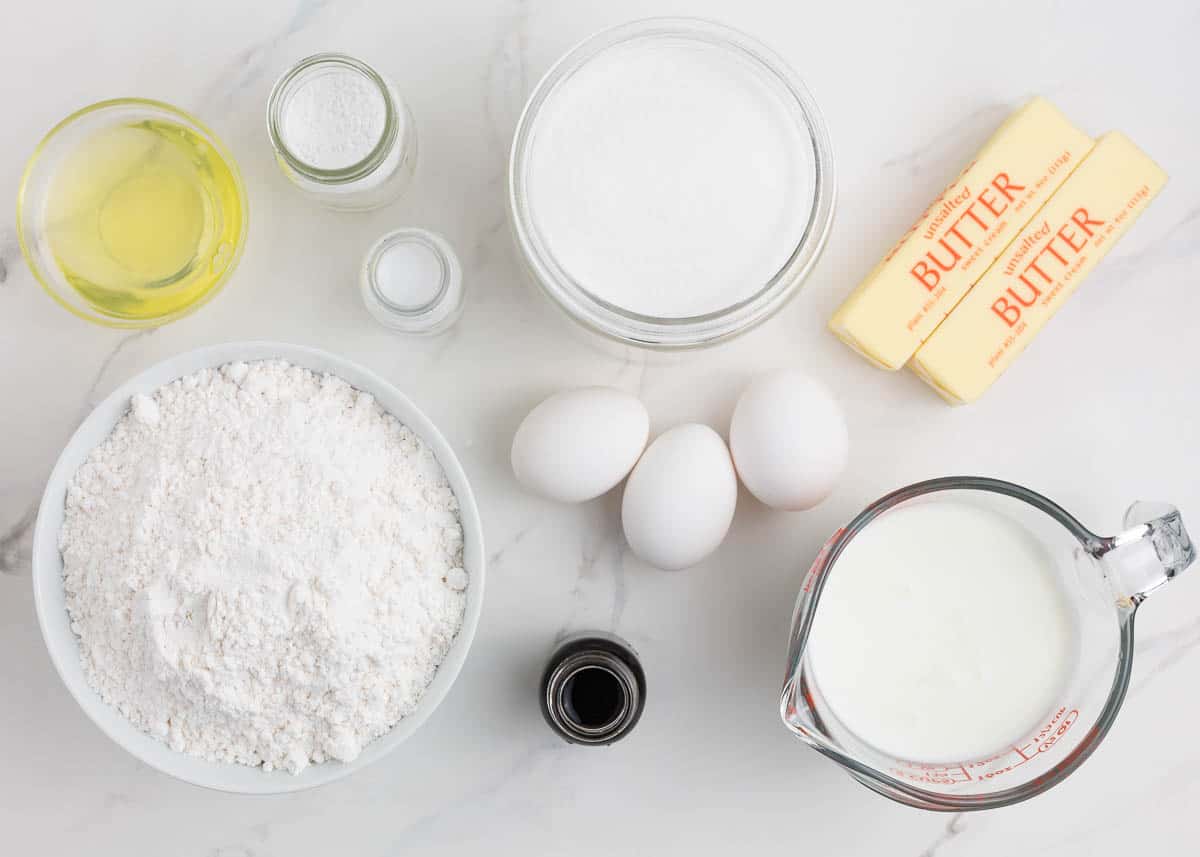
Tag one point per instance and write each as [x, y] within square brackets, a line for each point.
[1157, 653]
[9, 253]
[1100, 411]
[976, 125]
[128, 339]
[16, 542]
[1177, 243]
[956, 825]
[505, 87]
[259, 60]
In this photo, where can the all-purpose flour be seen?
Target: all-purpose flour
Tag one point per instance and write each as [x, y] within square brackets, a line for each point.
[262, 566]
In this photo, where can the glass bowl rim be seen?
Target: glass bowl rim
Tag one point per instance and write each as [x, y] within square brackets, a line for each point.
[24, 226]
[685, 332]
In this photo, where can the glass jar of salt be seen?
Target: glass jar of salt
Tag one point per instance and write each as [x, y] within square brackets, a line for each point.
[341, 132]
[411, 281]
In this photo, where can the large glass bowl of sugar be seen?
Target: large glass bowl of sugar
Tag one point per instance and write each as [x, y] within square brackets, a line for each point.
[671, 183]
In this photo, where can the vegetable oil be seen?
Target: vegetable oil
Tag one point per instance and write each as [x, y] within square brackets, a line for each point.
[143, 218]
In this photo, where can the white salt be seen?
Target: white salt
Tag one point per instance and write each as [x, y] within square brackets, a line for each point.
[409, 274]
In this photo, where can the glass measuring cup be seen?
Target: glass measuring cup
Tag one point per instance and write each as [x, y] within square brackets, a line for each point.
[1105, 578]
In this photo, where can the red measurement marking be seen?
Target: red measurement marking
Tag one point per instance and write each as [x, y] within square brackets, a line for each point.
[934, 775]
[983, 763]
[1049, 736]
[1043, 741]
[819, 562]
[1040, 742]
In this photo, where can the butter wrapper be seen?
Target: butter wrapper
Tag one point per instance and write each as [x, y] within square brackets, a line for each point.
[963, 231]
[1042, 267]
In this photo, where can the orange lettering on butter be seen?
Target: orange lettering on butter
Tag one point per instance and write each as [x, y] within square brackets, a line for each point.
[926, 276]
[1009, 313]
[1080, 218]
[1061, 248]
[926, 271]
[1004, 184]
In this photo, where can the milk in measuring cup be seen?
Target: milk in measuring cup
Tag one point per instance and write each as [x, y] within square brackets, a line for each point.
[943, 633]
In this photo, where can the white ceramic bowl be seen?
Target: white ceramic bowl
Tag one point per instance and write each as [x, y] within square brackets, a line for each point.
[51, 604]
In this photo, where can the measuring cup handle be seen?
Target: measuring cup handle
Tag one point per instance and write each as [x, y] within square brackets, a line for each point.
[1153, 549]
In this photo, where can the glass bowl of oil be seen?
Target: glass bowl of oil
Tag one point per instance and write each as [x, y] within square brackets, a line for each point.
[131, 213]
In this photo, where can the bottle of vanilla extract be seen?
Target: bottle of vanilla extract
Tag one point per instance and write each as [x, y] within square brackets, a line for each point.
[593, 689]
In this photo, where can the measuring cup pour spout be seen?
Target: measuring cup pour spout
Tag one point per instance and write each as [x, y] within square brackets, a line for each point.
[1153, 549]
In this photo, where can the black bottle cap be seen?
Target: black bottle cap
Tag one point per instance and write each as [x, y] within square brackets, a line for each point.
[593, 690]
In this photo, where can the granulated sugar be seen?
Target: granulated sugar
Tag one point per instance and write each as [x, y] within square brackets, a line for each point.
[262, 566]
[670, 178]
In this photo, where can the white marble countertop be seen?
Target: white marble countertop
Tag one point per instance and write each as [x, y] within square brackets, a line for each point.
[1101, 411]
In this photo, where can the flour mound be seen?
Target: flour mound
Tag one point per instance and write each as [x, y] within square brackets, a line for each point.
[262, 566]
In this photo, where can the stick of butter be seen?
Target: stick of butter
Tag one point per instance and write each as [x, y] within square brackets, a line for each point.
[1040, 269]
[920, 280]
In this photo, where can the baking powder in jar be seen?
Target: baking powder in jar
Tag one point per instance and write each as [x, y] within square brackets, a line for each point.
[341, 132]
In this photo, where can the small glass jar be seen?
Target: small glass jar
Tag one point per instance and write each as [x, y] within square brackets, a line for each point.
[226, 218]
[373, 180]
[593, 689]
[411, 281]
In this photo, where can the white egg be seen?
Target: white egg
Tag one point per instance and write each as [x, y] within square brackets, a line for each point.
[578, 444]
[680, 498]
[789, 441]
